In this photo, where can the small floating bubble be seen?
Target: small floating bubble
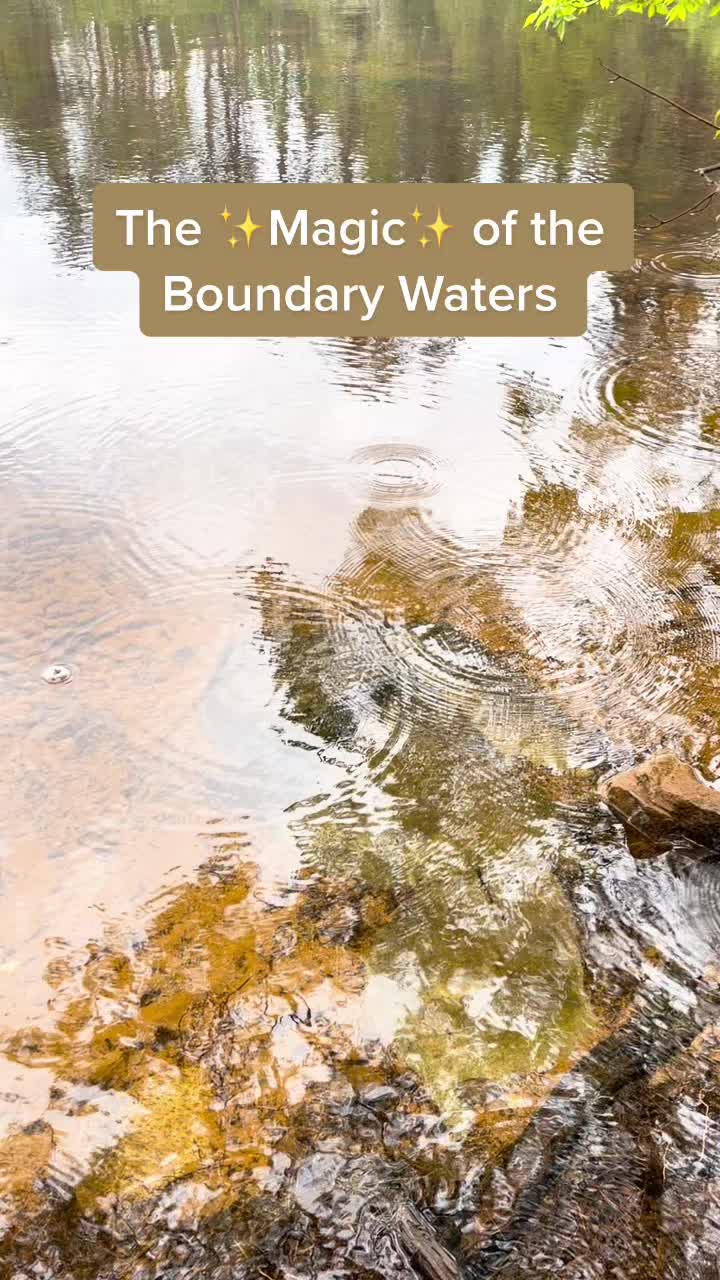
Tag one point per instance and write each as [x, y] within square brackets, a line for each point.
[57, 674]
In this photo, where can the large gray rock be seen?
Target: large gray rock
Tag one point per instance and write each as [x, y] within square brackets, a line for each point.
[662, 800]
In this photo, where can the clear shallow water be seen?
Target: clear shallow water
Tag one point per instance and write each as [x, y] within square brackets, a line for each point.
[353, 627]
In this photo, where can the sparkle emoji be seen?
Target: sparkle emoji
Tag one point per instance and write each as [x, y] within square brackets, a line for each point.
[248, 227]
[424, 241]
[226, 214]
[416, 214]
[233, 241]
[439, 227]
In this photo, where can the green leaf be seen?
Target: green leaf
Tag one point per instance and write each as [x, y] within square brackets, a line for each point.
[555, 15]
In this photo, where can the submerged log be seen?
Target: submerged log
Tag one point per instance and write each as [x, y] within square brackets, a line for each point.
[422, 1246]
[662, 800]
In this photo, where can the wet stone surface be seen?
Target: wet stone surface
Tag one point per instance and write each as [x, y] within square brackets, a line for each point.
[321, 953]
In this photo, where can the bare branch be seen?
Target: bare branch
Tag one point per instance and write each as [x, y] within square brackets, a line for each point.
[698, 207]
[653, 93]
[705, 201]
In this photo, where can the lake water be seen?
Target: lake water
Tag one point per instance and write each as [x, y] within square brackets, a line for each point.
[354, 629]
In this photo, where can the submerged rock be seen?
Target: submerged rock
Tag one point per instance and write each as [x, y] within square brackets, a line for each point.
[615, 1175]
[661, 800]
[363, 1212]
[379, 1096]
[315, 1183]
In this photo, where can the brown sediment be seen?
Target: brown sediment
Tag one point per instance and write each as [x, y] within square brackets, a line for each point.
[185, 1028]
[193, 1027]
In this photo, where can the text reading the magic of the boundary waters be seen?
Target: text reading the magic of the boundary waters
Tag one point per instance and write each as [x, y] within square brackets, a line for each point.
[379, 260]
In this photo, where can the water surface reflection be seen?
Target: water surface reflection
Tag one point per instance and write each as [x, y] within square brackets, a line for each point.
[310, 909]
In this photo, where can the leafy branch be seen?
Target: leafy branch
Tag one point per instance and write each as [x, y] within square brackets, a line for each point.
[555, 15]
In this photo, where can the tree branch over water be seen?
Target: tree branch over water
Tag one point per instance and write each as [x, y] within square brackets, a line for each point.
[699, 207]
[653, 93]
[706, 200]
[554, 15]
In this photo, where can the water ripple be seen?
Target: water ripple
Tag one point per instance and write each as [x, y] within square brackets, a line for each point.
[669, 417]
[696, 263]
[397, 473]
